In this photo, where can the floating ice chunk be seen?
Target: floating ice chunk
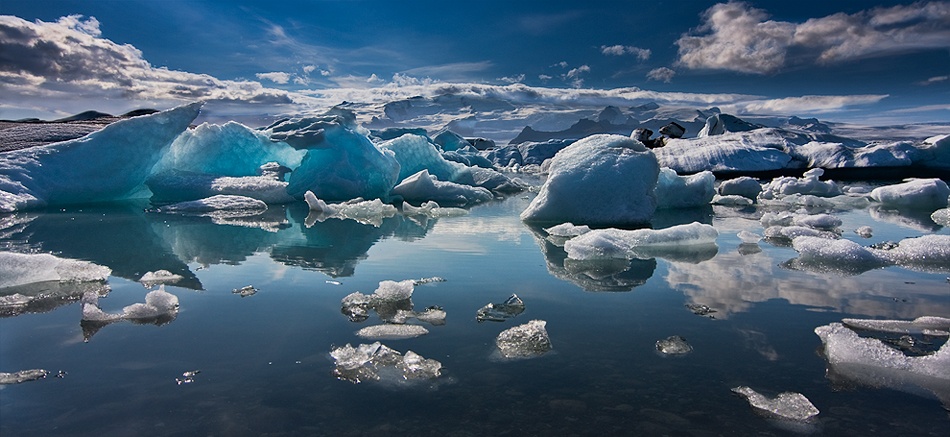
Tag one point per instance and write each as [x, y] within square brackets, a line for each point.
[499, 312]
[386, 300]
[770, 219]
[929, 325]
[929, 252]
[870, 362]
[392, 290]
[187, 377]
[245, 291]
[433, 209]
[790, 233]
[429, 280]
[377, 362]
[371, 212]
[22, 376]
[567, 230]
[916, 193]
[524, 341]
[731, 200]
[941, 217]
[824, 222]
[674, 191]
[807, 184]
[749, 237]
[392, 332]
[786, 405]
[424, 187]
[159, 305]
[744, 186]
[599, 180]
[619, 243]
[110, 164]
[176, 186]
[341, 162]
[216, 205]
[19, 269]
[837, 254]
[758, 150]
[673, 345]
[864, 231]
[150, 279]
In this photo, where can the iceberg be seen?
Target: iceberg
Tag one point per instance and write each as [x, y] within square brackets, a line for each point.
[807, 184]
[110, 164]
[916, 194]
[499, 312]
[524, 341]
[22, 376]
[674, 191]
[744, 186]
[639, 243]
[673, 345]
[432, 209]
[159, 305]
[18, 269]
[422, 187]
[379, 363]
[231, 149]
[150, 279]
[752, 151]
[928, 252]
[785, 405]
[371, 212]
[177, 186]
[392, 332]
[219, 205]
[869, 361]
[341, 162]
[941, 217]
[599, 180]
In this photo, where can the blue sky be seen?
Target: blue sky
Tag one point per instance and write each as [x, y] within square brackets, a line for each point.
[853, 60]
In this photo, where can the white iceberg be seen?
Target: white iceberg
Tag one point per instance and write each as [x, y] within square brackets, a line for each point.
[391, 331]
[422, 187]
[752, 151]
[370, 212]
[785, 405]
[524, 341]
[216, 205]
[379, 363]
[159, 305]
[744, 186]
[869, 361]
[916, 193]
[928, 252]
[620, 243]
[941, 217]
[20, 269]
[675, 191]
[599, 180]
[110, 164]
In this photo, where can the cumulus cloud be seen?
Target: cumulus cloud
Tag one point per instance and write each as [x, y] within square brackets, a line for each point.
[69, 58]
[574, 75]
[276, 77]
[620, 50]
[735, 36]
[662, 74]
[518, 78]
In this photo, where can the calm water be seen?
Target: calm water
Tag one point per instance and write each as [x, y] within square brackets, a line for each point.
[265, 364]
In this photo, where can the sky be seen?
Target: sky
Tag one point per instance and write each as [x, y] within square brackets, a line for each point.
[880, 62]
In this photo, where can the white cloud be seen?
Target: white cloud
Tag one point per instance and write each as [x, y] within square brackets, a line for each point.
[453, 71]
[512, 79]
[738, 37]
[68, 59]
[276, 77]
[807, 104]
[620, 50]
[544, 77]
[576, 72]
[662, 74]
[933, 80]
[309, 68]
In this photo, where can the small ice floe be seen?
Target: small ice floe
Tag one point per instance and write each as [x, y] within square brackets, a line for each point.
[433, 315]
[433, 210]
[786, 405]
[391, 331]
[391, 301]
[743, 186]
[369, 212]
[749, 237]
[786, 234]
[524, 341]
[499, 312]
[872, 362]
[332, 282]
[808, 184]
[22, 376]
[21, 269]
[927, 253]
[245, 291]
[187, 377]
[160, 308]
[431, 280]
[732, 200]
[700, 309]
[222, 205]
[864, 232]
[941, 217]
[422, 186]
[639, 243]
[151, 279]
[567, 230]
[822, 222]
[673, 345]
[379, 363]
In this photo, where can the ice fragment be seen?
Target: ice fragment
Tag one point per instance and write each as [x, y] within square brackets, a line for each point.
[786, 405]
[22, 376]
[673, 345]
[524, 341]
[499, 312]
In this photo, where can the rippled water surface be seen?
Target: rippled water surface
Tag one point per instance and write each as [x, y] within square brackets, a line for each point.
[265, 363]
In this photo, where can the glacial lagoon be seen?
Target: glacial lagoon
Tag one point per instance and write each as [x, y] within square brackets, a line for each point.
[257, 361]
